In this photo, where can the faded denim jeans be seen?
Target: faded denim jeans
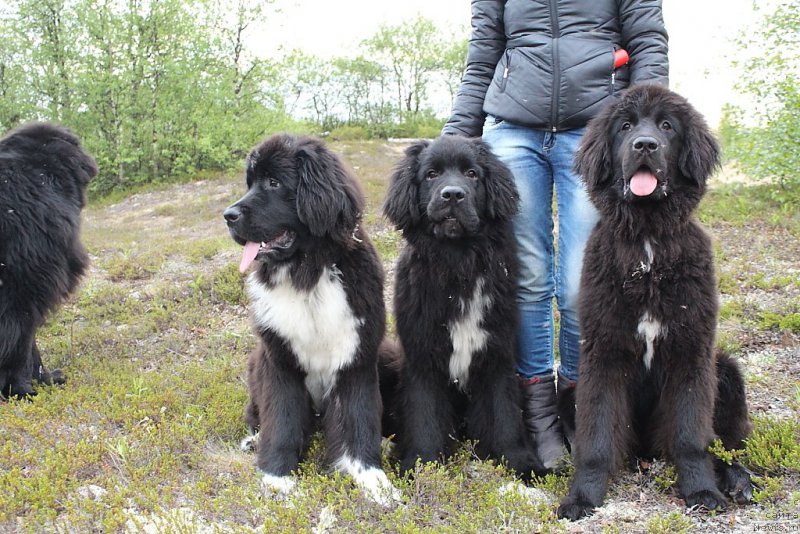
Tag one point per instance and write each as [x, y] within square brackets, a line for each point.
[541, 162]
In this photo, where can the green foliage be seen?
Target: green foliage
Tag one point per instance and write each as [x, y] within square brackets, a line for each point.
[665, 476]
[740, 204]
[784, 322]
[159, 91]
[227, 286]
[774, 446]
[769, 490]
[728, 456]
[349, 133]
[766, 143]
[732, 309]
[411, 53]
[124, 265]
[388, 244]
[423, 126]
[672, 523]
[384, 91]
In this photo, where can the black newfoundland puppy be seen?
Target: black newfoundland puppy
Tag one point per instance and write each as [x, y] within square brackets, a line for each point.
[650, 380]
[455, 304]
[316, 300]
[43, 177]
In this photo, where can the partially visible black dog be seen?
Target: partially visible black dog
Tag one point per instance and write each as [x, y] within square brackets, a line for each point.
[650, 380]
[455, 304]
[316, 299]
[43, 177]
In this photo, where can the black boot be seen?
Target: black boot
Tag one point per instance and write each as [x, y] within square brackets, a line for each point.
[566, 408]
[539, 410]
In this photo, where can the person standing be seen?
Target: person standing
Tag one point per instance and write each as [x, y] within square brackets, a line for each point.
[537, 71]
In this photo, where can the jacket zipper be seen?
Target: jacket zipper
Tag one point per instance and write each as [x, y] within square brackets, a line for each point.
[556, 63]
[506, 69]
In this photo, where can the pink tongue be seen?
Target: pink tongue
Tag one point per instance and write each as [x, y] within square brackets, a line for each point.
[643, 183]
[250, 253]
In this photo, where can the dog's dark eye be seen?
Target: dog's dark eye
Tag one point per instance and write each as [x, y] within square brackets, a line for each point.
[625, 126]
[471, 173]
[272, 183]
[431, 174]
[666, 126]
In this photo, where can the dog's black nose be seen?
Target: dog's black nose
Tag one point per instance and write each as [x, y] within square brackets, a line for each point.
[645, 144]
[232, 214]
[453, 193]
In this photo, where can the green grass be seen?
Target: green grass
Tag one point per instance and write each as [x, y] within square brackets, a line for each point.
[739, 205]
[155, 343]
[672, 523]
[789, 321]
[774, 446]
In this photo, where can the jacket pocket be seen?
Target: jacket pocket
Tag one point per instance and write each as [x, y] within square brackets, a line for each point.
[502, 70]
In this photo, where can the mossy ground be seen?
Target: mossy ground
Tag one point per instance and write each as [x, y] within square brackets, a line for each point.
[144, 436]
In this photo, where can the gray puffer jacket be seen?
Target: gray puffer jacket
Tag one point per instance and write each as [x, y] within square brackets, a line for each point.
[549, 64]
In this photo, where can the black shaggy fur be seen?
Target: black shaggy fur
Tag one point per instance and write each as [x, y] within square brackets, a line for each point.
[43, 177]
[649, 258]
[453, 200]
[297, 187]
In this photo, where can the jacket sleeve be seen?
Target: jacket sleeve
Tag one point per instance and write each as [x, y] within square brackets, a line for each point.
[486, 45]
[645, 38]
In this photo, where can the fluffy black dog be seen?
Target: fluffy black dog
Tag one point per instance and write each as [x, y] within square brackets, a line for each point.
[650, 380]
[455, 304]
[317, 305]
[43, 177]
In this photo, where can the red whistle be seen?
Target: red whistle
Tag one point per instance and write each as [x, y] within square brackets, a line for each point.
[620, 58]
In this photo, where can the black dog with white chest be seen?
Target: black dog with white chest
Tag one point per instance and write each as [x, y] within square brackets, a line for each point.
[316, 299]
[651, 382]
[455, 304]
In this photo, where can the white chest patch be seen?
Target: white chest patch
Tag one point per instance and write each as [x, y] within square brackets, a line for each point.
[649, 330]
[318, 324]
[467, 334]
[649, 257]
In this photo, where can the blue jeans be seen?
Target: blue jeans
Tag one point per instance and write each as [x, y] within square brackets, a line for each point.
[541, 161]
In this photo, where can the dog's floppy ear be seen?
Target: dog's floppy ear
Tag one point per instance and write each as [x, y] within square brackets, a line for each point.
[700, 152]
[328, 198]
[502, 198]
[593, 156]
[401, 205]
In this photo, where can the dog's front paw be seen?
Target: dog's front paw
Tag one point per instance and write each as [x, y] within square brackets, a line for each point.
[248, 444]
[49, 378]
[706, 500]
[574, 509]
[383, 493]
[735, 481]
[21, 390]
[373, 482]
[278, 487]
[57, 377]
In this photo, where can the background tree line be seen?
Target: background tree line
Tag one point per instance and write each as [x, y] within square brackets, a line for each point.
[764, 139]
[159, 89]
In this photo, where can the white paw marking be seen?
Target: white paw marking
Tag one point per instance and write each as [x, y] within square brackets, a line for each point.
[279, 486]
[372, 480]
[248, 444]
